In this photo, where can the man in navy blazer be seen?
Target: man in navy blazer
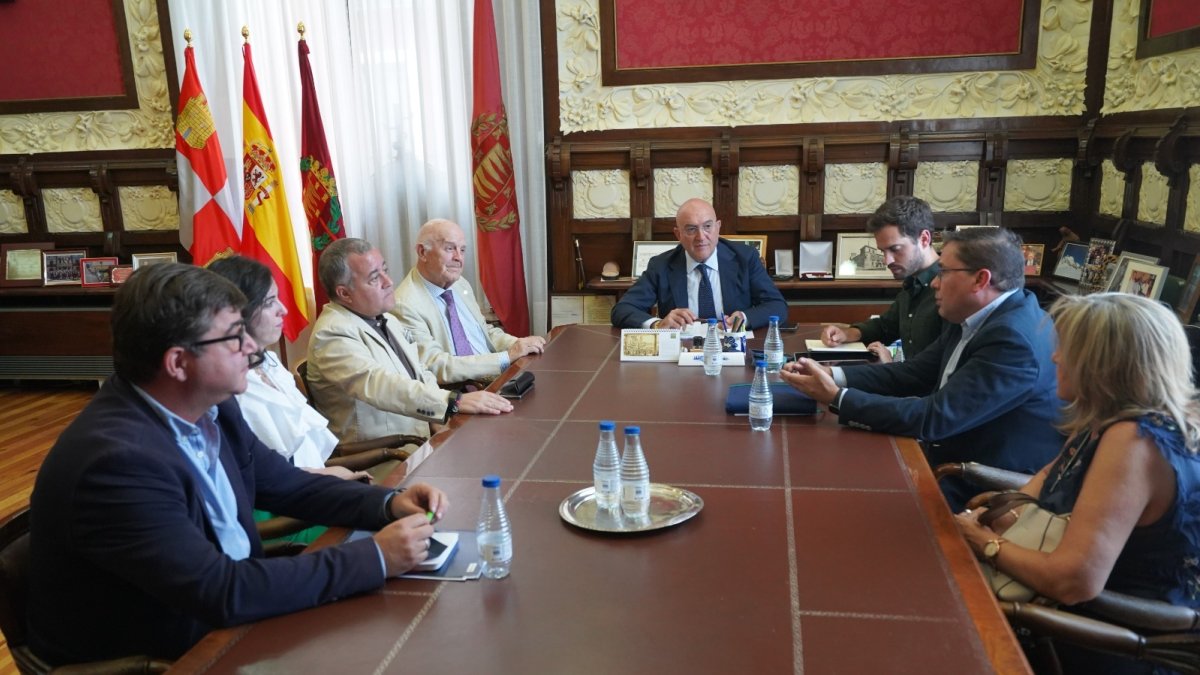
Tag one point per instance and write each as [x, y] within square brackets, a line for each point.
[142, 535]
[673, 280]
[985, 391]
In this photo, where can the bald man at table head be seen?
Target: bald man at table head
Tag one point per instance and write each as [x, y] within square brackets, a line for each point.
[703, 277]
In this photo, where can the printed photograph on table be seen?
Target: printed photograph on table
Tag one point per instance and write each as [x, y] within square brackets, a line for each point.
[643, 251]
[142, 259]
[1099, 266]
[22, 264]
[1117, 271]
[1033, 258]
[1071, 261]
[120, 274]
[96, 271]
[858, 258]
[758, 242]
[61, 268]
[1142, 278]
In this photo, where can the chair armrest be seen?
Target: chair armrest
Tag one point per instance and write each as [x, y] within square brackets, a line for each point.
[1142, 614]
[393, 441]
[280, 526]
[129, 665]
[987, 477]
[370, 458]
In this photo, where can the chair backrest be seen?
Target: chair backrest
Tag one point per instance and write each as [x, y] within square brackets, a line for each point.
[1193, 338]
[302, 382]
[14, 591]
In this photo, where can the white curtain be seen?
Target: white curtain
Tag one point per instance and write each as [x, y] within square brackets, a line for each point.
[394, 83]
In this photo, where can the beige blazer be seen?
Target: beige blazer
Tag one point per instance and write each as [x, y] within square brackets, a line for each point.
[360, 384]
[421, 314]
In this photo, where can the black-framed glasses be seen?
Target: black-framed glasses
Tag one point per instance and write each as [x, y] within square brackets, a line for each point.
[240, 336]
[942, 271]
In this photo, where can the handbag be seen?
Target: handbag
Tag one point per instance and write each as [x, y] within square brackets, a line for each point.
[1037, 528]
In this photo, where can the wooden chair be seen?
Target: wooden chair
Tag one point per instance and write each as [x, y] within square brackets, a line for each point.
[14, 599]
[1146, 630]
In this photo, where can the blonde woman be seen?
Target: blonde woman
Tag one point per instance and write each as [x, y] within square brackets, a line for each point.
[1128, 475]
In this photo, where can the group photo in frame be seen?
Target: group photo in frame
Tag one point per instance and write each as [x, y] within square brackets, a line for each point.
[61, 268]
[643, 251]
[1033, 254]
[1142, 278]
[758, 242]
[1071, 261]
[858, 258]
[143, 259]
[96, 271]
[22, 264]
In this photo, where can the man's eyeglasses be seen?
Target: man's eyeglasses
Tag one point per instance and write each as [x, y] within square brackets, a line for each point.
[693, 230]
[240, 336]
[942, 271]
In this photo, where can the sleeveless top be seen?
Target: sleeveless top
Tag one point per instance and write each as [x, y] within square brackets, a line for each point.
[1160, 561]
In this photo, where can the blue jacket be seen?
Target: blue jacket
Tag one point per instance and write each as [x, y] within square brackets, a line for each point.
[999, 407]
[125, 561]
[745, 286]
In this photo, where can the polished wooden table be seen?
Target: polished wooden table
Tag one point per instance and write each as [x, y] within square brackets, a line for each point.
[820, 549]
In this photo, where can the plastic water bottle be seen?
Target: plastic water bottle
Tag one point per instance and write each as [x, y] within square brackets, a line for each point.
[762, 401]
[897, 350]
[635, 476]
[712, 349]
[606, 469]
[493, 533]
[773, 347]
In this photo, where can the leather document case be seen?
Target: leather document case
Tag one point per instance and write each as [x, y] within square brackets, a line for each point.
[787, 401]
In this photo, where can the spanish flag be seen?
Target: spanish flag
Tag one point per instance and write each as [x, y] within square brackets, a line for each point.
[206, 199]
[266, 226]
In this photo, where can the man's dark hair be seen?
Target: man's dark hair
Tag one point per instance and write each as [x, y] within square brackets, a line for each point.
[910, 215]
[164, 306]
[995, 249]
[333, 270]
[251, 277]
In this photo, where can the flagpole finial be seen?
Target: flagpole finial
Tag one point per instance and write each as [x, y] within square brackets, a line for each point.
[187, 36]
[246, 33]
[300, 29]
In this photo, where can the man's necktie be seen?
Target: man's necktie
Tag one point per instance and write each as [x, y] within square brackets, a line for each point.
[704, 299]
[391, 340]
[462, 346]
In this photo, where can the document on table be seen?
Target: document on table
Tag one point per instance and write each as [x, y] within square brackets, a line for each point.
[848, 347]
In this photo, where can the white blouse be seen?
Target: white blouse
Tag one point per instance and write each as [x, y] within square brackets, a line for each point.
[281, 417]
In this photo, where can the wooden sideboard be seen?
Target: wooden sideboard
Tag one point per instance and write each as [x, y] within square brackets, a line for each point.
[56, 333]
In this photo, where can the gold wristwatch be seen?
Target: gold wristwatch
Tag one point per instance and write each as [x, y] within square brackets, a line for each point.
[992, 549]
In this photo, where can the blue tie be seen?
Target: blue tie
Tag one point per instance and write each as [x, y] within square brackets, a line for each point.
[708, 309]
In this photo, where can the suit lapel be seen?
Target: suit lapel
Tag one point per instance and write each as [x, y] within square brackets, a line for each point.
[677, 273]
[729, 276]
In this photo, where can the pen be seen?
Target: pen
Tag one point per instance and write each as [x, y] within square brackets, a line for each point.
[723, 326]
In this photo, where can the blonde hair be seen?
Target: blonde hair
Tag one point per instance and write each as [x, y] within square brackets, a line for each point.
[1126, 356]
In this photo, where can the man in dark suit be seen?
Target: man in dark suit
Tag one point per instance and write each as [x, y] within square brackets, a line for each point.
[142, 535]
[985, 391]
[702, 278]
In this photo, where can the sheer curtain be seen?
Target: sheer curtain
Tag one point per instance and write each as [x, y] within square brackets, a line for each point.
[394, 82]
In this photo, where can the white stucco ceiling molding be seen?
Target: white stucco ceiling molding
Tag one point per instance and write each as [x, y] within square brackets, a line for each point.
[1167, 81]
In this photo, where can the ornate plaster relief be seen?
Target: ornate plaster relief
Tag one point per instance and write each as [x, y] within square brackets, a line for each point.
[70, 210]
[1152, 199]
[769, 190]
[12, 213]
[948, 186]
[149, 207]
[1112, 189]
[1038, 185]
[600, 194]
[855, 188]
[673, 187]
[1167, 81]
[1191, 214]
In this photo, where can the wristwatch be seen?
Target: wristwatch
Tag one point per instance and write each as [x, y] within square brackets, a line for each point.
[992, 549]
[452, 404]
[837, 398]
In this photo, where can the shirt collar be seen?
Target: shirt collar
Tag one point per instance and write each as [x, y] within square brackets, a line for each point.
[434, 290]
[923, 278]
[175, 422]
[973, 322]
[692, 264]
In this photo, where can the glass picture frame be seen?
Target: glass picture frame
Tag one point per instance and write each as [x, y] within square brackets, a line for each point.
[643, 251]
[1142, 278]
[1071, 261]
[143, 259]
[22, 264]
[858, 257]
[61, 268]
[758, 242]
[1034, 254]
[95, 272]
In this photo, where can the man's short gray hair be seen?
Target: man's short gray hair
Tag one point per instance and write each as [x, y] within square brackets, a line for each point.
[333, 269]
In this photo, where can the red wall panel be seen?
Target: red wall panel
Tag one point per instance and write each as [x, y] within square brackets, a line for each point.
[1173, 16]
[51, 49]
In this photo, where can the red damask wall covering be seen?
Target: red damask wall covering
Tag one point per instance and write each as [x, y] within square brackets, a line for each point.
[58, 49]
[1173, 16]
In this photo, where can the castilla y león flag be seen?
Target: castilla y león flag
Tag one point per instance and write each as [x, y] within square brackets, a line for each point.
[501, 268]
[266, 226]
[206, 203]
[321, 205]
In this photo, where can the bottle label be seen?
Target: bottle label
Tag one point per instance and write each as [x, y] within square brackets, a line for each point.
[635, 492]
[607, 485]
[496, 552]
[761, 410]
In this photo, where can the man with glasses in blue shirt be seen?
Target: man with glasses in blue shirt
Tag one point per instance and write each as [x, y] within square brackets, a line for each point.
[704, 277]
[142, 535]
[994, 392]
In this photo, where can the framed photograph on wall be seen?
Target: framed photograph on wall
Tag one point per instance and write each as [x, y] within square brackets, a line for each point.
[1033, 258]
[140, 259]
[758, 242]
[857, 257]
[22, 263]
[96, 271]
[1191, 293]
[1142, 278]
[61, 268]
[1071, 261]
[643, 251]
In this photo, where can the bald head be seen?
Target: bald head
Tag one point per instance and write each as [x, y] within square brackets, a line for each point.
[441, 252]
[697, 228]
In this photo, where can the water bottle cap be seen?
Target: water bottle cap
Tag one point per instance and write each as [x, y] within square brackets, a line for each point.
[633, 431]
[607, 425]
[712, 322]
[491, 480]
[773, 319]
[760, 364]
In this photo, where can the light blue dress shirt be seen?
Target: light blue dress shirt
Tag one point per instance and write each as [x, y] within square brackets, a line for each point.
[471, 327]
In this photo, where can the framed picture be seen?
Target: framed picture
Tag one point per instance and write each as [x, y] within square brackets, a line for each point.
[140, 259]
[1100, 265]
[643, 251]
[61, 268]
[1191, 293]
[1071, 261]
[22, 264]
[96, 271]
[816, 258]
[120, 274]
[1117, 271]
[785, 264]
[970, 227]
[758, 242]
[857, 257]
[1033, 258]
[1142, 278]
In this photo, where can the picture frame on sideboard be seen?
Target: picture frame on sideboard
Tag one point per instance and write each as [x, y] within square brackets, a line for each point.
[21, 264]
[61, 268]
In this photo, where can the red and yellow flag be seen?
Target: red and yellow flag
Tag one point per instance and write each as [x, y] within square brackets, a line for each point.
[206, 201]
[501, 268]
[266, 226]
[321, 204]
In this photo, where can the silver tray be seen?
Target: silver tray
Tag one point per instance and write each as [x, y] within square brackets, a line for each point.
[668, 506]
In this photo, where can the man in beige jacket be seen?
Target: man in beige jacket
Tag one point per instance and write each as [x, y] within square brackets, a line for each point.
[436, 305]
[364, 373]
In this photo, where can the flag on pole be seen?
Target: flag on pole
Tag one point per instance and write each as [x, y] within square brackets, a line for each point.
[501, 268]
[266, 226]
[207, 226]
[321, 205]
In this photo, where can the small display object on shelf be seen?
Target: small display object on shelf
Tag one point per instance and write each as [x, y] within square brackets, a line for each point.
[1071, 261]
[1191, 293]
[816, 260]
[1033, 253]
[858, 258]
[1099, 266]
[643, 251]
[969, 227]
[1118, 269]
[140, 259]
[96, 271]
[785, 265]
[1143, 278]
[758, 242]
[21, 264]
[120, 274]
[61, 268]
